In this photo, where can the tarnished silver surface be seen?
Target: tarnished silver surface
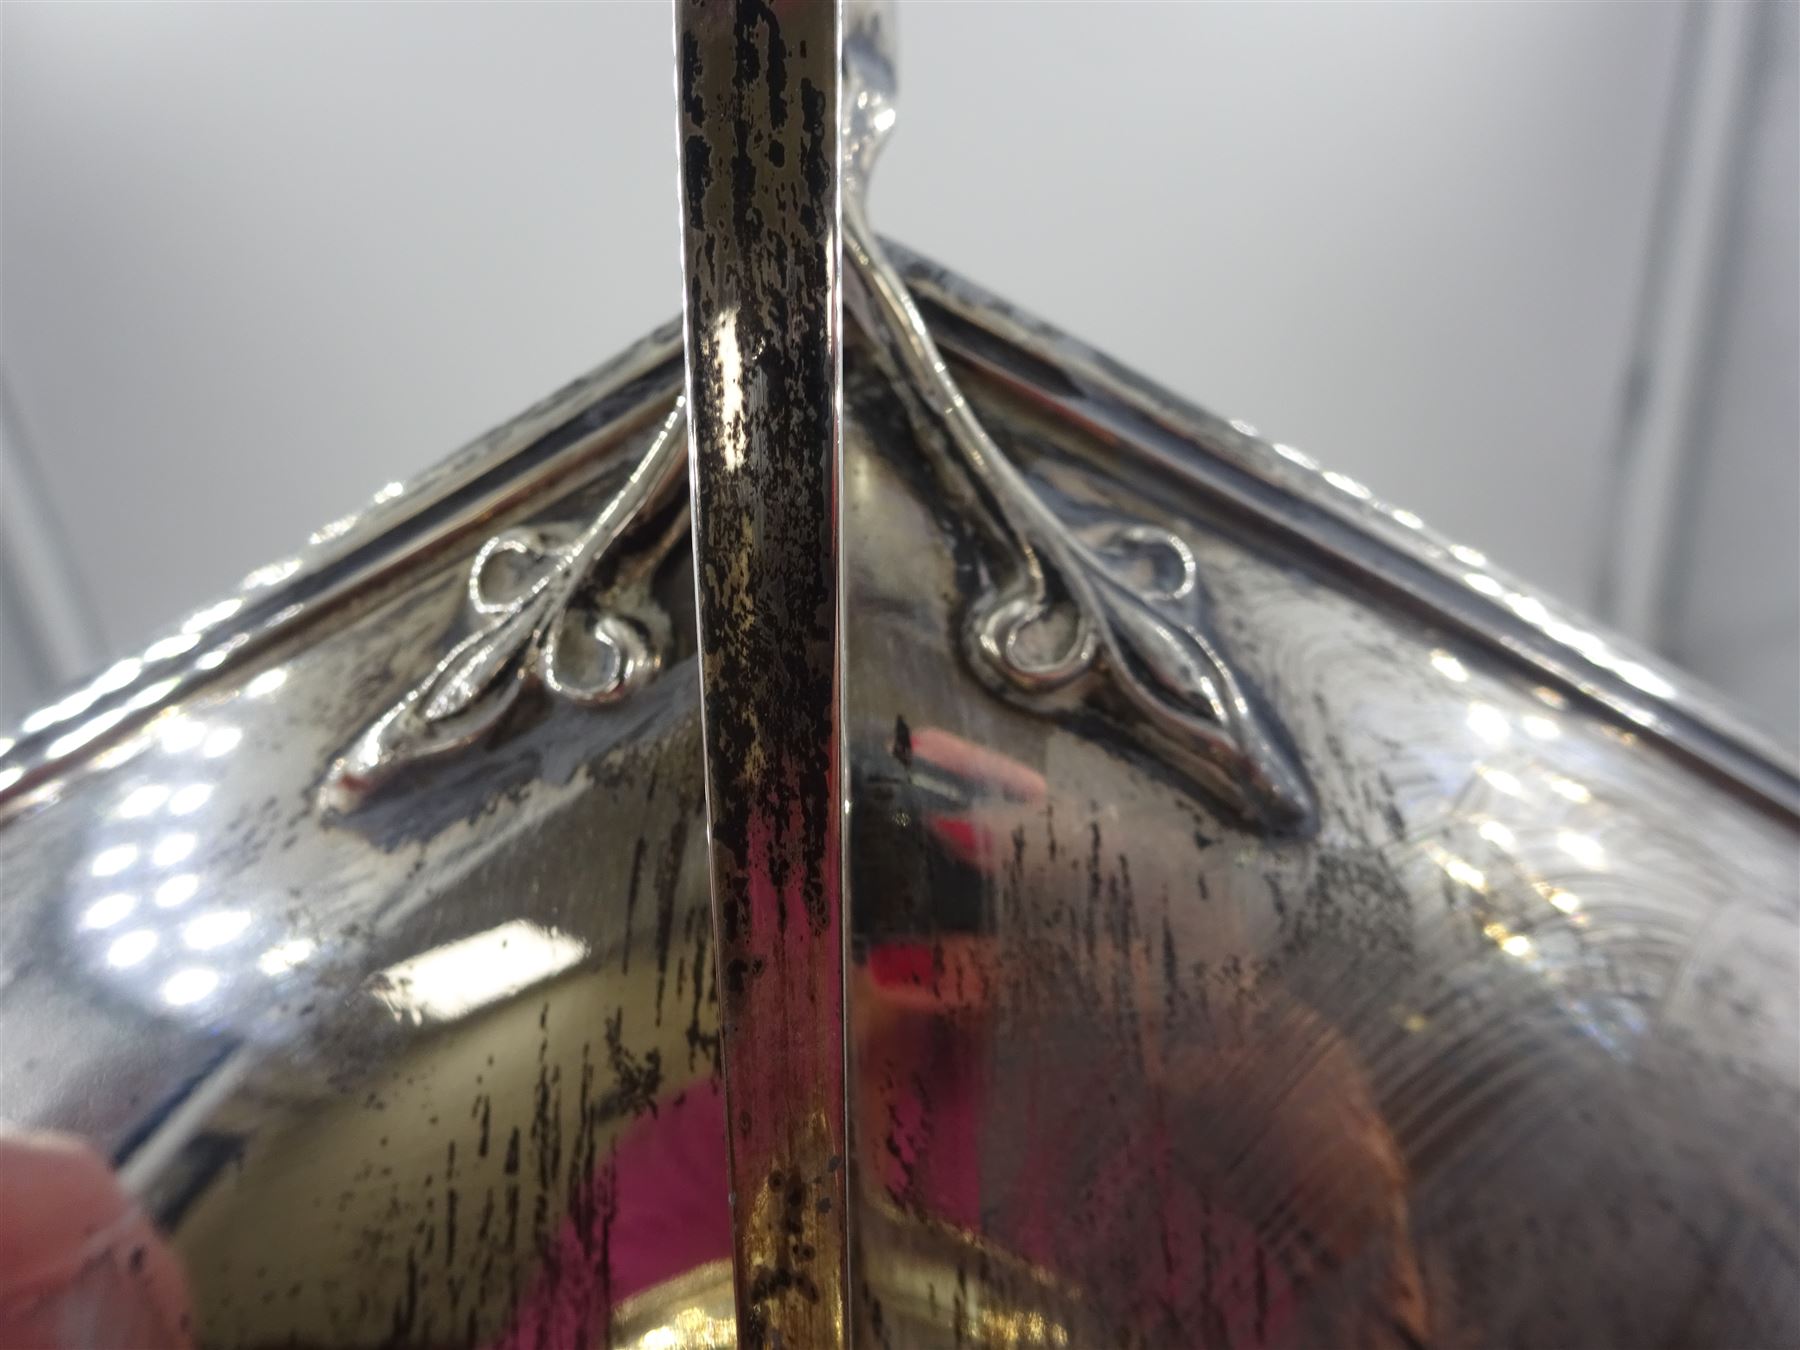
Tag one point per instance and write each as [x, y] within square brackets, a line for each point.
[1499, 1046]
[760, 177]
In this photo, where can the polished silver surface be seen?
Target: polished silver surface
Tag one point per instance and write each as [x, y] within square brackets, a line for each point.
[1496, 1043]
[527, 592]
[1062, 600]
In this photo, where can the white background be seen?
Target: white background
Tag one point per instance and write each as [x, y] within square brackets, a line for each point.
[1527, 269]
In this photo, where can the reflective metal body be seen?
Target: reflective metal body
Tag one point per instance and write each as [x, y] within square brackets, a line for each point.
[1346, 947]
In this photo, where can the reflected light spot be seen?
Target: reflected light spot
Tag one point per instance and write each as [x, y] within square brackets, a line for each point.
[1544, 728]
[9, 776]
[211, 615]
[215, 929]
[283, 957]
[171, 849]
[331, 530]
[6, 745]
[109, 862]
[116, 676]
[1516, 945]
[1408, 519]
[221, 742]
[1568, 787]
[1415, 1022]
[151, 693]
[1642, 677]
[1449, 667]
[1501, 781]
[1348, 486]
[189, 986]
[109, 910]
[121, 752]
[1584, 849]
[171, 646]
[731, 393]
[389, 491]
[1529, 608]
[266, 683]
[190, 799]
[1295, 456]
[182, 734]
[1472, 556]
[177, 890]
[1497, 834]
[142, 801]
[131, 949]
[218, 656]
[61, 711]
[1481, 581]
[1488, 722]
[1567, 901]
[86, 732]
[1458, 869]
[272, 574]
[461, 976]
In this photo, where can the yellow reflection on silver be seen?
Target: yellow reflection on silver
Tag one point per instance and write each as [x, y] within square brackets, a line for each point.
[1460, 870]
[459, 977]
[1567, 901]
[691, 1329]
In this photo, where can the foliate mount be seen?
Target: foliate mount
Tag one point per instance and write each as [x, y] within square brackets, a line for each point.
[1113, 613]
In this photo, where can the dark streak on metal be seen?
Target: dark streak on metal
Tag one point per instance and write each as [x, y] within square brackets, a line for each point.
[759, 159]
